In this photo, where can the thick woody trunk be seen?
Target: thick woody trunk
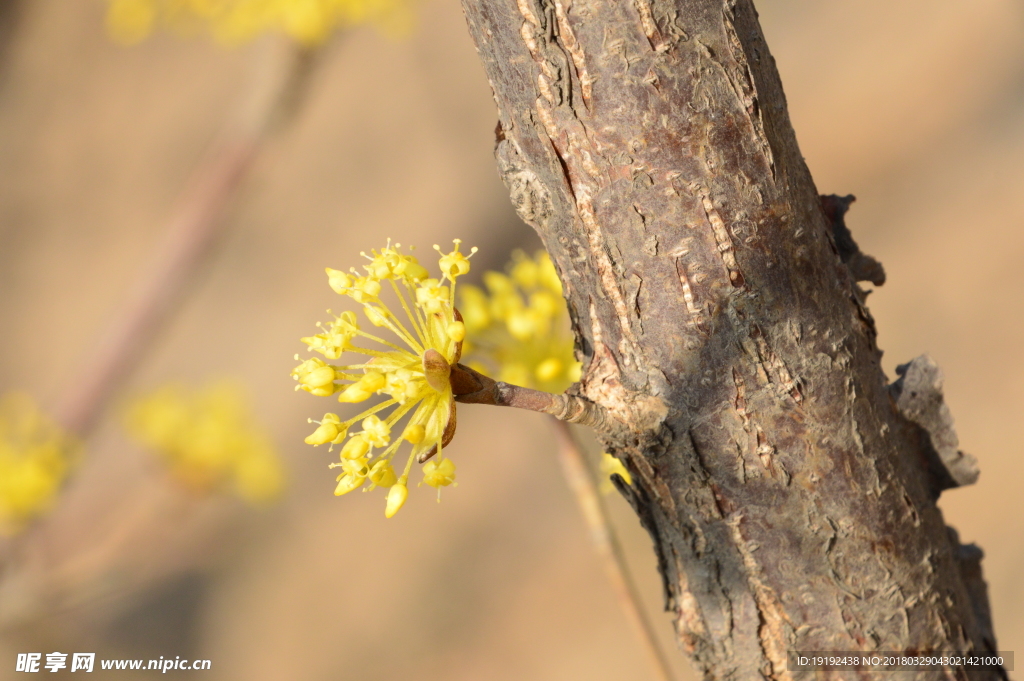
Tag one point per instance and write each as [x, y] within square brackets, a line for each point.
[789, 491]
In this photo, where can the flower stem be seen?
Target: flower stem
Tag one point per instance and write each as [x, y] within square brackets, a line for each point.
[472, 387]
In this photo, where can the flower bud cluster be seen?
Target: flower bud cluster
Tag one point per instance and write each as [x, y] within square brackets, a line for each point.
[518, 328]
[35, 456]
[410, 365]
[208, 440]
[232, 22]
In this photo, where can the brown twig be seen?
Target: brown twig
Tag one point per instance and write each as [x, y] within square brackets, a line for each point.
[472, 387]
[581, 480]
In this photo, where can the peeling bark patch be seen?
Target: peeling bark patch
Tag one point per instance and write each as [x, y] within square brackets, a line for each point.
[602, 380]
[537, 33]
[609, 281]
[770, 360]
[774, 631]
[919, 398]
[689, 621]
[527, 12]
[740, 402]
[758, 443]
[529, 196]
[725, 246]
[695, 310]
[654, 37]
[742, 81]
[574, 48]
[765, 449]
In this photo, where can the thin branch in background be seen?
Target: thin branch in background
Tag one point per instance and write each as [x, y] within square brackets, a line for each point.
[581, 480]
[280, 76]
[29, 565]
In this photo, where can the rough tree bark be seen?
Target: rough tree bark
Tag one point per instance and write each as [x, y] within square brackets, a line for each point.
[789, 491]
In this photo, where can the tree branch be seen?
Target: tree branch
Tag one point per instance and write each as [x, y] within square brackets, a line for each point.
[723, 333]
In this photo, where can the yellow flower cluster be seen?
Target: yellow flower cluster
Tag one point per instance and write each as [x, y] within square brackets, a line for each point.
[35, 455]
[233, 22]
[208, 440]
[519, 328]
[413, 372]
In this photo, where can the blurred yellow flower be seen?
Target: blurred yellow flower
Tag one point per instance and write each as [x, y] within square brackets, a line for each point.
[35, 456]
[414, 371]
[232, 22]
[209, 441]
[610, 466]
[519, 328]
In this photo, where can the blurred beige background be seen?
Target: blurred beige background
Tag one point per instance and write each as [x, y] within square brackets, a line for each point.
[917, 107]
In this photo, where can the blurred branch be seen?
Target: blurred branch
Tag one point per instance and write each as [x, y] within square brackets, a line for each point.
[10, 17]
[581, 481]
[279, 80]
[84, 549]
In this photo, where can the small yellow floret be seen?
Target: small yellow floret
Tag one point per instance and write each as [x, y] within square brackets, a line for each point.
[432, 296]
[364, 289]
[454, 264]
[362, 389]
[348, 483]
[396, 499]
[456, 331]
[337, 337]
[404, 385]
[382, 474]
[330, 430]
[376, 432]
[439, 473]
[318, 378]
[315, 376]
[391, 264]
[354, 467]
[414, 433]
[356, 447]
[338, 280]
